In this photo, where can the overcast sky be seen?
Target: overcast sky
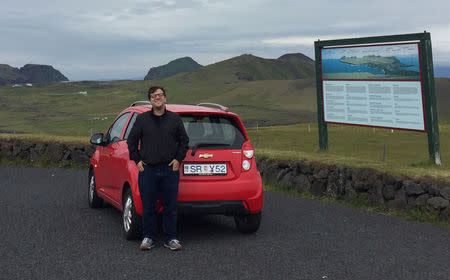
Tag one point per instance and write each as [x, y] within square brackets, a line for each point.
[100, 39]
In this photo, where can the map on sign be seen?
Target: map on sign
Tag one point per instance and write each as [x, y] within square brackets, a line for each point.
[373, 86]
[389, 62]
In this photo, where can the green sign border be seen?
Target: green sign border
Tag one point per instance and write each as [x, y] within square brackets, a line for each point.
[431, 121]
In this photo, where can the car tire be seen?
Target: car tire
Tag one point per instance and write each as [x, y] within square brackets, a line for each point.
[132, 224]
[94, 200]
[248, 223]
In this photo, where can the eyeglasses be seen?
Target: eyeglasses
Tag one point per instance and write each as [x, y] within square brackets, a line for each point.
[156, 95]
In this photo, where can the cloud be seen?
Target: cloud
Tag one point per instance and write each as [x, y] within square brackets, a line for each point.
[84, 38]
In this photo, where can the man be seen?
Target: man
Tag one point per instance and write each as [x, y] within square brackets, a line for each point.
[163, 145]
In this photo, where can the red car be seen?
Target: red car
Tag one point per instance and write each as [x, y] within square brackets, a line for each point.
[218, 175]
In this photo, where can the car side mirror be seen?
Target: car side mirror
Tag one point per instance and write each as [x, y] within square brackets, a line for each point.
[97, 139]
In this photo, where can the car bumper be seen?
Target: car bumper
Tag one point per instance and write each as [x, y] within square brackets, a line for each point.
[226, 207]
[246, 192]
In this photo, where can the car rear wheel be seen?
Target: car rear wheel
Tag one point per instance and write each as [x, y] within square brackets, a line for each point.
[248, 223]
[131, 220]
[94, 200]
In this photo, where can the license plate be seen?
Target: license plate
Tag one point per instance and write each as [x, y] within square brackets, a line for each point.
[205, 169]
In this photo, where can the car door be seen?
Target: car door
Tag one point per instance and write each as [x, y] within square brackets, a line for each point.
[113, 159]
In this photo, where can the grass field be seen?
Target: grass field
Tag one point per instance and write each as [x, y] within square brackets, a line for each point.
[72, 111]
[62, 109]
[405, 152]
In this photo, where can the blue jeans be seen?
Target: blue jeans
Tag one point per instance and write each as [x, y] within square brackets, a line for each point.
[154, 181]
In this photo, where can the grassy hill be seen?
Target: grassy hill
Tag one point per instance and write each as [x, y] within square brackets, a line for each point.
[29, 73]
[174, 67]
[10, 75]
[267, 92]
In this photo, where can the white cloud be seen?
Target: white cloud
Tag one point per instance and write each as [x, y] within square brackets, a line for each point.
[107, 34]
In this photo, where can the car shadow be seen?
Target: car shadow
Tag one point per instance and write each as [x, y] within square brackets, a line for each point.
[195, 226]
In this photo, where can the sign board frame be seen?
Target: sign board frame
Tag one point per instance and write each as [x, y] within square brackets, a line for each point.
[425, 83]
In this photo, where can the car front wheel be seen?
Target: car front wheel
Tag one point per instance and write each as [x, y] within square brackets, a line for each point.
[131, 220]
[94, 200]
[248, 223]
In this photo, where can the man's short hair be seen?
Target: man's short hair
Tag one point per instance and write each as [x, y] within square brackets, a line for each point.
[155, 88]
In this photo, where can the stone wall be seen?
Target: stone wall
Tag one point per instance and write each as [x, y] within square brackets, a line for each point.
[366, 184]
[332, 181]
[42, 153]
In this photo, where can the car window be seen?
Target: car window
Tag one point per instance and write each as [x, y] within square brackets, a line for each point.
[130, 126]
[116, 129]
[213, 129]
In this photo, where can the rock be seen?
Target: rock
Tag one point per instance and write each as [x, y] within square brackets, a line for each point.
[25, 148]
[425, 185]
[79, 157]
[40, 148]
[270, 174]
[376, 194]
[321, 173]
[262, 165]
[282, 165]
[302, 183]
[286, 180]
[302, 167]
[412, 188]
[4, 149]
[34, 156]
[281, 174]
[67, 156]
[437, 202]
[350, 193]
[421, 200]
[389, 192]
[445, 214]
[55, 152]
[400, 201]
[445, 193]
[318, 187]
[364, 178]
[435, 189]
[16, 150]
[363, 196]
[348, 173]
[334, 185]
[411, 201]
[388, 179]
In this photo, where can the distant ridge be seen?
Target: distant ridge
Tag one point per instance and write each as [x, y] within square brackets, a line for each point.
[37, 73]
[174, 67]
[248, 67]
[298, 56]
[30, 73]
[10, 75]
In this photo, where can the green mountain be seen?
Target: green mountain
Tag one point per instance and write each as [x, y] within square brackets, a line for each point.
[37, 73]
[10, 75]
[174, 67]
[30, 73]
[281, 91]
[248, 67]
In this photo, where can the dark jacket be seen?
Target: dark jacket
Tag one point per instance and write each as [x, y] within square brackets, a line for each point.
[163, 138]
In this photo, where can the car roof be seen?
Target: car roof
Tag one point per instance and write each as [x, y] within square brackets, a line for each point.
[182, 108]
[189, 109]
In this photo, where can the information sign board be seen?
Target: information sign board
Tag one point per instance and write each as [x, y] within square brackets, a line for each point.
[380, 81]
[373, 85]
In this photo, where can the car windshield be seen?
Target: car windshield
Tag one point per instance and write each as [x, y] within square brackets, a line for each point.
[213, 129]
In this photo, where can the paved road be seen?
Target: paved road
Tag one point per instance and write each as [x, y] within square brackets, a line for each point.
[48, 232]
